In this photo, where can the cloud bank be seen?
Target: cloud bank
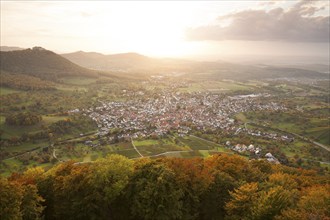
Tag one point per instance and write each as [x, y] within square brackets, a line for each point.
[298, 24]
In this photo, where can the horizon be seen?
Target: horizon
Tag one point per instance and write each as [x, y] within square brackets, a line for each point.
[243, 58]
[194, 30]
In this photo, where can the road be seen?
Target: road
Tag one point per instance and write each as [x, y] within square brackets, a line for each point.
[136, 148]
[54, 155]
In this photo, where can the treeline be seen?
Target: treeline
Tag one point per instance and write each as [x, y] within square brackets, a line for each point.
[73, 125]
[24, 82]
[23, 119]
[218, 187]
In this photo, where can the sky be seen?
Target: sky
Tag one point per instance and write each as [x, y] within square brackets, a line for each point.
[192, 29]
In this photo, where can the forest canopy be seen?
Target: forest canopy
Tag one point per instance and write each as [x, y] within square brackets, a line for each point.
[218, 187]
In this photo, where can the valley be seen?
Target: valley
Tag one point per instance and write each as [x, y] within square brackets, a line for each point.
[160, 114]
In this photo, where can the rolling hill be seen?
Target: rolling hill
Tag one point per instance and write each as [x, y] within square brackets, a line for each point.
[41, 63]
[47, 65]
[117, 62]
[133, 62]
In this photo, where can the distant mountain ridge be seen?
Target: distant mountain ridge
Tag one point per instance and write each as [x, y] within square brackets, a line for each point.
[115, 62]
[6, 48]
[192, 69]
[41, 63]
[47, 65]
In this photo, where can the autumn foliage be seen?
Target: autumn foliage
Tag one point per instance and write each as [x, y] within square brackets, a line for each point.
[218, 187]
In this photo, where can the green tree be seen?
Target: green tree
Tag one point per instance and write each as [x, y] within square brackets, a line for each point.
[10, 200]
[217, 195]
[153, 193]
[193, 179]
[110, 176]
[31, 206]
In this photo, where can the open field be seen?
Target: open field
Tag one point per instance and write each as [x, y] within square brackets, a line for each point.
[6, 91]
[151, 147]
[16, 131]
[215, 86]
[78, 80]
[306, 125]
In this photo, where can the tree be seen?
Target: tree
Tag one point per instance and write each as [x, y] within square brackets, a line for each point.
[23, 119]
[10, 200]
[31, 207]
[110, 176]
[153, 193]
[216, 196]
[239, 207]
[282, 179]
[313, 204]
[271, 202]
[19, 201]
[194, 180]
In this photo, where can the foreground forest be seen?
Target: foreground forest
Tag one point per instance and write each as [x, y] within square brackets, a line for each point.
[217, 187]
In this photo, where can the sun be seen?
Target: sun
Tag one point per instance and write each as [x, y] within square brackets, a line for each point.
[151, 28]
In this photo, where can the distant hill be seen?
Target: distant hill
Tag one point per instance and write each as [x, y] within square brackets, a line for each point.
[117, 62]
[129, 62]
[6, 48]
[245, 72]
[322, 68]
[41, 63]
[133, 62]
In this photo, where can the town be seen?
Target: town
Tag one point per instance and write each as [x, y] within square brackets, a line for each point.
[179, 112]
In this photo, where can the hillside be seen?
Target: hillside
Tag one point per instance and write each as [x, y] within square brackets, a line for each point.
[41, 63]
[116, 62]
[24, 82]
[219, 71]
[6, 48]
[133, 62]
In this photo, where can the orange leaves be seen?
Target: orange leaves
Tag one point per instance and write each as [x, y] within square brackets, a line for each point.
[218, 187]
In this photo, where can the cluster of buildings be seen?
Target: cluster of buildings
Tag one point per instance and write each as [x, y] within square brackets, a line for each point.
[242, 148]
[273, 136]
[174, 111]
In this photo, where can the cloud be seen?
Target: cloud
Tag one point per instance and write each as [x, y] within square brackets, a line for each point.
[298, 24]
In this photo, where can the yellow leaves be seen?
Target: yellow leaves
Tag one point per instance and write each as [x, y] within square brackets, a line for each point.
[271, 202]
[316, 200]
[242, 198]
[19, 201]
[282, 179]
[314, 204]
[10, 200]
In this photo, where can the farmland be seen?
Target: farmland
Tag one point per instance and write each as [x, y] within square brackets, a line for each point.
[75, 136]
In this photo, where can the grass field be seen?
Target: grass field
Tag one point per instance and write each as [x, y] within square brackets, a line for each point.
[150, 147]
[198, 144]
[214, 86]
[79, 80]
[15, 131]
[305, 125]
[26, 147]
[241, 117]
[5, 90]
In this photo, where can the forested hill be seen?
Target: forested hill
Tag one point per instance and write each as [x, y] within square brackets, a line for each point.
[41, 63]
[217, 187]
